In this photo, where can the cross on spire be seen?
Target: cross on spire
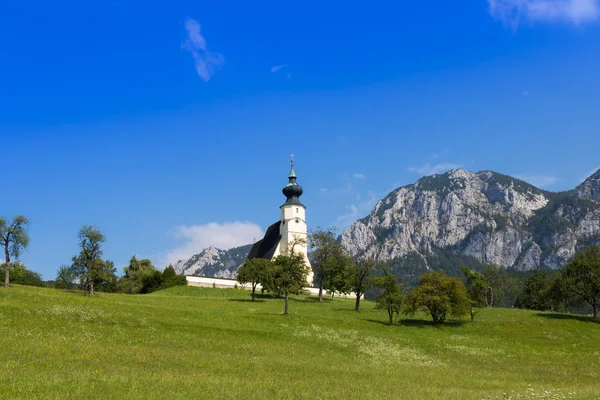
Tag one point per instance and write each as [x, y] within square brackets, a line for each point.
[292, 172]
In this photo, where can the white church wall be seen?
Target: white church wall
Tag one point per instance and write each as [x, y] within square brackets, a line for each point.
[202, 281]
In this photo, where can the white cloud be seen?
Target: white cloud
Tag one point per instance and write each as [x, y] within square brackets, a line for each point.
[355, 211]
[589, 173]
[540, 181]
[205, 61]
[359, 176]
[278, 67]
[513, 12]
[429, 169]
[223, 236]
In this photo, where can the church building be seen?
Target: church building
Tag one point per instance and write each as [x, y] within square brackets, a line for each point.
[291, 226]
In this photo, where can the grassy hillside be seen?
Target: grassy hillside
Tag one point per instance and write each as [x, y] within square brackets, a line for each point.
[213, 343]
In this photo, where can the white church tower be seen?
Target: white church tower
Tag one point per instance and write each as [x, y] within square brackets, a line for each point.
[290, 229]
[293, 220]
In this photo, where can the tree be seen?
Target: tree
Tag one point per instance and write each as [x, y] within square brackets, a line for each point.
[391, 298]
[339, 276]
[535, 294]
[559, 294]
[65, 277]
[477, 287]
[440, 296]
[170, 278]
[503, 289]
[89, 265]
[105, 279]
[14, 239]
[135, 274]
[582, 276]
[289, 272]
[324, 248]
[21, 275]
[254, 272]
[359, 278]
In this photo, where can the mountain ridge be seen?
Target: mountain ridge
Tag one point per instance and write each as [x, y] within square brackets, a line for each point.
[458, 218]
[488, 216]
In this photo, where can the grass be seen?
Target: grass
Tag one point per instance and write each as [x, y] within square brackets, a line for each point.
[212, 343]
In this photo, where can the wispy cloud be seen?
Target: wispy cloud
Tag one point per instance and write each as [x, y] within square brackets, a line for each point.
[278, 67]
[359, 176]
[589, 173]
[205, 61]
[429, 169]
[540, 181]
[223, 236]
[355, 211]
[514, 12]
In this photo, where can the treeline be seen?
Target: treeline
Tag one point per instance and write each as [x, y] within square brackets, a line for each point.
[88, 270]
[570, 289]
[91, 273]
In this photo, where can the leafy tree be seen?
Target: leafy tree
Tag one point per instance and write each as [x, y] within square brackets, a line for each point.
[391, 298]
[559, 295]
[503, 289]
[105, 279]
[360, 278]
[325, 248]
[440, 296]
[170, 278]
[14, 239]
[535, 294]
[254, 272]
[88, 265]
[135, 274]
[65, 277]
[477, 287]
[162, 280]
[140, 276]
[23, 276]
[340, 269]
[152, 282]
[289, 273]
[289, 276]
[581, 276]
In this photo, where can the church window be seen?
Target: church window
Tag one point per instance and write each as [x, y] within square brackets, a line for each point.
[297, 210]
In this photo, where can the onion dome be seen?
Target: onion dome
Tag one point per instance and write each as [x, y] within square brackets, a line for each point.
[292, 191]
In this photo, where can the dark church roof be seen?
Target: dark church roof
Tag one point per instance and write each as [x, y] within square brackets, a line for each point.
[266, 247]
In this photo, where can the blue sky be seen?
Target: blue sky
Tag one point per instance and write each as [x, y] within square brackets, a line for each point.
[169, 125]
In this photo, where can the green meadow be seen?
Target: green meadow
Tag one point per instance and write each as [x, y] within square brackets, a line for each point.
[185, 343]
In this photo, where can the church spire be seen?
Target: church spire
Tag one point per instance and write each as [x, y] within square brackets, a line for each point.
[292, 172]
[292, 191]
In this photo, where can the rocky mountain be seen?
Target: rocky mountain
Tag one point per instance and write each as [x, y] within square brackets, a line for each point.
[466, 218]
[214, 262]
[590, 189]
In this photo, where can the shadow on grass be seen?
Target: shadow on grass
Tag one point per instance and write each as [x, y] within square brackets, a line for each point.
[420, 323]
[581, 318]
[308, 299]
[247, 300]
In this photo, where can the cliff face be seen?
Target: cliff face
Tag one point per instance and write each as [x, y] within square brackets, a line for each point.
[484, 216]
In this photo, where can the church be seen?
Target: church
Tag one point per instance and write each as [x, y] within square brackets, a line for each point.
[291, 226]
